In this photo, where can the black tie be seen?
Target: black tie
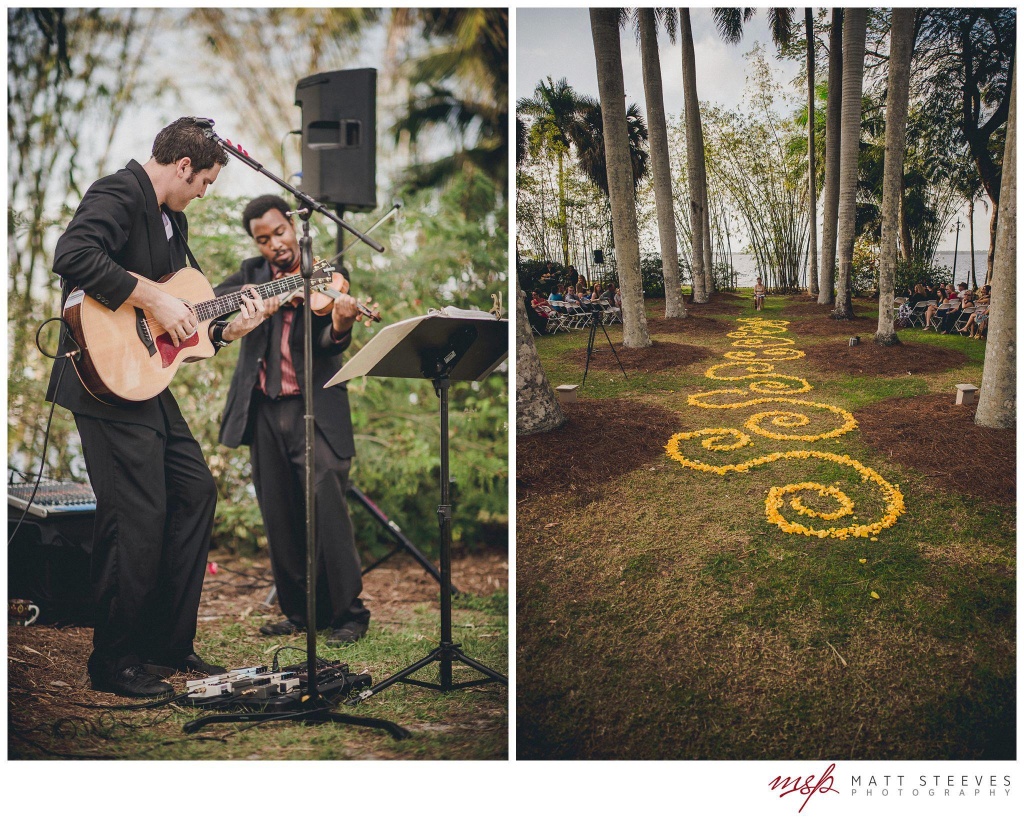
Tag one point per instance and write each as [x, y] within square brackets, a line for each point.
[274, 356]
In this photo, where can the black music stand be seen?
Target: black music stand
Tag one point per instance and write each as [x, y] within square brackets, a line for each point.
[440, 347]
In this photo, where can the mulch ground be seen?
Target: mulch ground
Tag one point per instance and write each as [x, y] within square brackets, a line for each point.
[804, 305]
[46, 663]
[692, 325]
[720, 304]
[822, 325]
[867, 358]
[660, 355]
[600, 440]
[934, 436]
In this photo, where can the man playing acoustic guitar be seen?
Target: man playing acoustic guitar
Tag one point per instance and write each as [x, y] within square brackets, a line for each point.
[155, 496]
[265, 411]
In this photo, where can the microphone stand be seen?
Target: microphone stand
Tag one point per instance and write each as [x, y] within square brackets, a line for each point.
[310, 707]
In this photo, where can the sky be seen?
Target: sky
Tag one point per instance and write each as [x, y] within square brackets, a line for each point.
[558, 43]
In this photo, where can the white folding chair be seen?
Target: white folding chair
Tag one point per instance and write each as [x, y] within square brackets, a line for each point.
[920, 308]
[962, 319]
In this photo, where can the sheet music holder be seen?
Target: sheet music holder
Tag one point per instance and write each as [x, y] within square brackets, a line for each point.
[440, 347]
[395, 351]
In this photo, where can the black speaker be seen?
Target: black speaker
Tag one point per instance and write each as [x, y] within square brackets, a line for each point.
[598, 257]
[48, 563]
[339, 137]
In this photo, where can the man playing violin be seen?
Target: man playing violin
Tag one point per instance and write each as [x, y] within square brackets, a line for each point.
[265, 410]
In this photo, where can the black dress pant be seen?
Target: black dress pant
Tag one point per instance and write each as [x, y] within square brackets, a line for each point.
[155, 500]
[279, 473]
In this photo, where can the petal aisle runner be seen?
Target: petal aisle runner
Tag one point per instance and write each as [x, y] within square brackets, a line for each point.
[760, 348]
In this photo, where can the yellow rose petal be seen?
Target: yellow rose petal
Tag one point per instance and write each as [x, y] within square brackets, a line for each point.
[863, 561]
[875, 596]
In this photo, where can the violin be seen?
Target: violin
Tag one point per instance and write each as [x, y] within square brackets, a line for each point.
[322, 299]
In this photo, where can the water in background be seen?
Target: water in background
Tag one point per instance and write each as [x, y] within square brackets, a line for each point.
[746, 270]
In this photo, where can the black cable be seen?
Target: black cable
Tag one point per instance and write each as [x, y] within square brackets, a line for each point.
[142, 706]
[49, 421]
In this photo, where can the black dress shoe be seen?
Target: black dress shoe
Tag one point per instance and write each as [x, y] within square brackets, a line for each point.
[283, 628]
[194, 664]
[133, 681]
[348, 633]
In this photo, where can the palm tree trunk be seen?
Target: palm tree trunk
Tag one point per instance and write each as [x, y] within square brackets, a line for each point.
[997, 405]
[833, 142]
[563, 220]
[709, 259]
[854, 37]
[993, 227]
[812, 193]
[900, 49]
[694, 158]
[970, 231]
[604, 26]
[906, 243]
[658, 136]
[537, 406]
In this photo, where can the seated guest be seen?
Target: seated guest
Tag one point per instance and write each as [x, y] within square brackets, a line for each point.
[957, 308]
[596, 294]
[538, 300]
[558, 294]
[939, 310]
[570, 296]
[917, 294]
[978, 321]
[617, 298]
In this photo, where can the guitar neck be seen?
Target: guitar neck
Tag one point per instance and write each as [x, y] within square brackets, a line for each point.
[231, 302]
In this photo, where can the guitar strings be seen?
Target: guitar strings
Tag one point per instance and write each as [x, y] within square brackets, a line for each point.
[222, 305]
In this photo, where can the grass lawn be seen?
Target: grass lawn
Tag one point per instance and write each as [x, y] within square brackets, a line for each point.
[660, 614]
[47, 683]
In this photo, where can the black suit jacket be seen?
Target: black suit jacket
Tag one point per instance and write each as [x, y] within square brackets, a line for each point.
[330, 406]
[116, 228]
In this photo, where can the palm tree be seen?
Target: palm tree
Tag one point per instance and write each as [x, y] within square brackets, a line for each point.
[833, 142]
[604, 26]
[854, 38]
[586, 133]
[901, 47]
[730, 23]
[554, 106]
[646, 23]
[812, 193]
[695, 173]
[461, 84]
[997, 406]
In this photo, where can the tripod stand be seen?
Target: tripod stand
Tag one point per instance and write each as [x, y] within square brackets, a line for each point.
[595, 319]
[393, 532]
[441, 349]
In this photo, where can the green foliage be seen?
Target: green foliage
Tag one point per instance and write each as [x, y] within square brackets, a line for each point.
[652, 276]
[864, 278]
[907, 274]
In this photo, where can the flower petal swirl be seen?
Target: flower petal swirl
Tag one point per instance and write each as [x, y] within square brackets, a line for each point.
[758, 368]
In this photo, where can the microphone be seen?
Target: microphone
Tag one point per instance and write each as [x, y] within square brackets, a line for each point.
[206, 124]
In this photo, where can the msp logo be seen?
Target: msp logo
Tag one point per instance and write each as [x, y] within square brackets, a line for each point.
[805, 785]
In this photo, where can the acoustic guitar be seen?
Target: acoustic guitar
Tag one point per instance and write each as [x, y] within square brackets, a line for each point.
[127, 357]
